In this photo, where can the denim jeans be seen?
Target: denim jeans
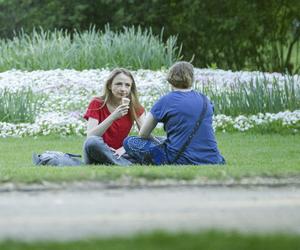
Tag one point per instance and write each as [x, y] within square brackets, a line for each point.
[96, 151]
[146, 151]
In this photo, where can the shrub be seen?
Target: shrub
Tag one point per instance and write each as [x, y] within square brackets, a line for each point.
[253, 97]
[132, 48]
[19, 106]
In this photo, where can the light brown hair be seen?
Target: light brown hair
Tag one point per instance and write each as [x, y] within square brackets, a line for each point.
[181, 75]
[134, 105]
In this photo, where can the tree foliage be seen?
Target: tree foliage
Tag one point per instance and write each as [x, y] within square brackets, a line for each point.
[244, 34]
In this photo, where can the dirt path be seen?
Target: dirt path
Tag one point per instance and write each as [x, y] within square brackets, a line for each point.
[67, 214]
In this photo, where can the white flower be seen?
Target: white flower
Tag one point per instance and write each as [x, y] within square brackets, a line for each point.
[70, 91]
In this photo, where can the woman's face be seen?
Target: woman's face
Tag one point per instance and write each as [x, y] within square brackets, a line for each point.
[121, 86]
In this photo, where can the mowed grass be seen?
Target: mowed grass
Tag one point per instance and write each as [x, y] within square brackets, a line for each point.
[210, 240]
[247, 155]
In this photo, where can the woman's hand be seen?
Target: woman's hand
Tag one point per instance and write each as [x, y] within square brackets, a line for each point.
[118, 152]
[120, 111]
[98, 129]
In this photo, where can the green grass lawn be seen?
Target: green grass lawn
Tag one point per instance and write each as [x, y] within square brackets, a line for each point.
[210, 240]
[247, 155]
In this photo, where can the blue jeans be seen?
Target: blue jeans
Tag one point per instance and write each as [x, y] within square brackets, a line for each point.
[96, 151]
[146, 151]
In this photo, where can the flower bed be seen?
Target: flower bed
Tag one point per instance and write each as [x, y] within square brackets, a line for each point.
[70, 91]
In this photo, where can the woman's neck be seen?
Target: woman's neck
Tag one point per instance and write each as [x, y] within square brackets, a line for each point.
[114, 102]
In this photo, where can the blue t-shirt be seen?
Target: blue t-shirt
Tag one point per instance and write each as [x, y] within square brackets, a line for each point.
[179, 112]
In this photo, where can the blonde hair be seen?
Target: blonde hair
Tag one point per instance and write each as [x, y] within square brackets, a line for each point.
[181, 75]
[134, 104]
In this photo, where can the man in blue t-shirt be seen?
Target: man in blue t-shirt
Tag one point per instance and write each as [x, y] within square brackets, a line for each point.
[179, 111]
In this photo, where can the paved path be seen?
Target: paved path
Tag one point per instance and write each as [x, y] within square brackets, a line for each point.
[77, 214]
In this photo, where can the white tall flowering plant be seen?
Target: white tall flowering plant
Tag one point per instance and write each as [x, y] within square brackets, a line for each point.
[68, 93]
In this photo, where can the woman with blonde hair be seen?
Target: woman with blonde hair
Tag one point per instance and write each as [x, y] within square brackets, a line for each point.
[110, 119]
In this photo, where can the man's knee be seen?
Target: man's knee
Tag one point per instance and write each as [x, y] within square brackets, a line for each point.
[127, 143]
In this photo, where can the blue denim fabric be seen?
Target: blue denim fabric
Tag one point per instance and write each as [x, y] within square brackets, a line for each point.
[96, 151]
[146, 151]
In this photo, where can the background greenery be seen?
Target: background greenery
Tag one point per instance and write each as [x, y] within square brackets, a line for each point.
[132, 48]
[254, 35]
[276, 156]
[19, 106]
[258, 95]
[208, 240]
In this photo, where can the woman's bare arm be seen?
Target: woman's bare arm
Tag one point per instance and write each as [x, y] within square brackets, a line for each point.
[93, 128]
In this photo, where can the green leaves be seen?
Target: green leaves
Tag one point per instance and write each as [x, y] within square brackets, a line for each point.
[132, 48]
[255, 96]
[19, 106]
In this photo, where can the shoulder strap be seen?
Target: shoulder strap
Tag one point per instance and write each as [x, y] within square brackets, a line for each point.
[197, 125]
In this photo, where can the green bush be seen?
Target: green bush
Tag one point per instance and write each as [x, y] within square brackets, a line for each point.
[19, 106]
[236, 35]
[256, 96]
[133, 48]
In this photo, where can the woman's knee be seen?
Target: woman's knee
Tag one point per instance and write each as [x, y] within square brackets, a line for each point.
[92, 142]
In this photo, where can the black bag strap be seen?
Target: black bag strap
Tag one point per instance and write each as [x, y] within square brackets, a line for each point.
[73, 155]
[197, 125]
